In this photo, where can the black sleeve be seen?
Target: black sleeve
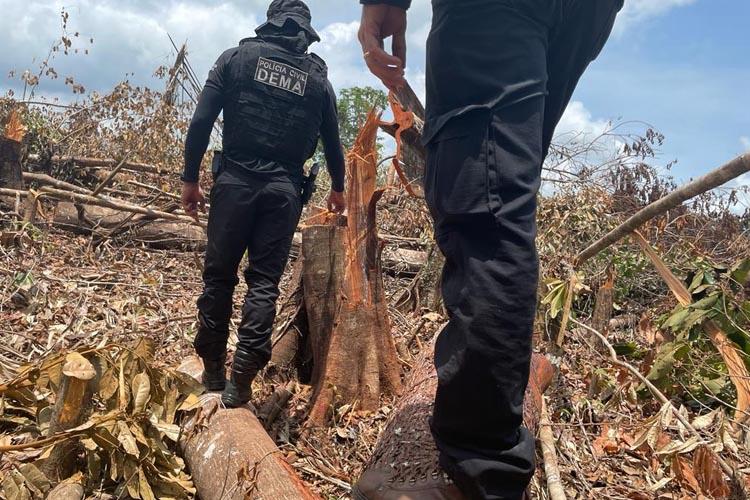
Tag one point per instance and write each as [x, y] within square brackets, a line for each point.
[210, 104]
[329, 133]
[404, 4]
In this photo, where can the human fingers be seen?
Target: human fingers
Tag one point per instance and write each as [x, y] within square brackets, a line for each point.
[398, 45]
[388, 68]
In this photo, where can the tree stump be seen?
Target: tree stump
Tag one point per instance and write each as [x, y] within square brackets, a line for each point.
[71, 401]
[354, 356]
[406, 452]
[10, 164]
[11, 176]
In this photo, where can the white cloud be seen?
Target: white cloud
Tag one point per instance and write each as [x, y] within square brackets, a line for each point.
[745, 141]
[638, 11]
[577, 121]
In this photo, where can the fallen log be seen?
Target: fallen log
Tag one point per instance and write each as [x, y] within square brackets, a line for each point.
[405, 452]
[713, 179]
[230, 455]
[117, 205]
[90, 219]
[102, 162]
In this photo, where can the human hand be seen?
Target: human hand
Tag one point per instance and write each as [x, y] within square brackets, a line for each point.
[336, 202]
[378, 23]
[192, 199]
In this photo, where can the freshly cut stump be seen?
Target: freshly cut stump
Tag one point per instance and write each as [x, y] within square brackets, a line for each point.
[405, 453]
[230, 455]
[354, 355]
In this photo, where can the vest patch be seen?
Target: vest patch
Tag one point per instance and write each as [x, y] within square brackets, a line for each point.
[281, 76]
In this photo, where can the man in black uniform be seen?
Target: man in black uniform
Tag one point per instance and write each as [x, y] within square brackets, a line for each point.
[500, 73]
[277, 102]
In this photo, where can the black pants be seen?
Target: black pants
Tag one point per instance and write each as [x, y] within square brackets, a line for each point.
[482, 177]
[259, 217]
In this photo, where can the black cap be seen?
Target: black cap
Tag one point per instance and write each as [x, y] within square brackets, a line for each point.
[280, 11]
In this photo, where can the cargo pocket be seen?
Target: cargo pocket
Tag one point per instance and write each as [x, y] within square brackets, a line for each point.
[457, 180]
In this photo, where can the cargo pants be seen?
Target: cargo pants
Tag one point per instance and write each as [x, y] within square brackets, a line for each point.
[481, 181]
[257, 216]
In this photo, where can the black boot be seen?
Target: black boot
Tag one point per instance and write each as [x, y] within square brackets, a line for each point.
[214, 374]
[239, 391]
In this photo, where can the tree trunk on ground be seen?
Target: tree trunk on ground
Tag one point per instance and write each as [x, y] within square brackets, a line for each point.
[424, 290]
[111, 223]
[10, 164]
[230, 455]
[354, 355]
[406, 448]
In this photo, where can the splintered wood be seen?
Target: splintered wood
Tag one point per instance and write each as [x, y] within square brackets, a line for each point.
[354, 355]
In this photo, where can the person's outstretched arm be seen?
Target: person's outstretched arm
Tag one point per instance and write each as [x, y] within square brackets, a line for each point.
[334, 152]
[380, 20]
[210, 104]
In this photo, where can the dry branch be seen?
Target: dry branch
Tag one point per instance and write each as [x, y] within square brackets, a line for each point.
[713, 179]
[551, 469]
[230, 455]
[117, 205]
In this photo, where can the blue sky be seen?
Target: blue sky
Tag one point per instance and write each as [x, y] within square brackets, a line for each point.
[687, 73]
[680, 65]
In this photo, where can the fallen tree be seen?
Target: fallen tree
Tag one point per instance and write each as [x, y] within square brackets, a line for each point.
[231, 456]
[405, 452]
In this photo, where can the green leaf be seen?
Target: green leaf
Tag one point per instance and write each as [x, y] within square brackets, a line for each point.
[675, 320]
[697, 280]
[706, 302]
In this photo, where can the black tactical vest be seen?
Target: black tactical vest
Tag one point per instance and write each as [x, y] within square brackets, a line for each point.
[274, 104]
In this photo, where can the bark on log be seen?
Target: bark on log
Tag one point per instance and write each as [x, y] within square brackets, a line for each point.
[604, 304]
[67, 413]
[716, 178]
[156, 234]
[354, 354]
[103, 162]
[10, 164]
[405, 451]
[230, 455]
[291, 322]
